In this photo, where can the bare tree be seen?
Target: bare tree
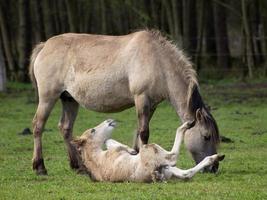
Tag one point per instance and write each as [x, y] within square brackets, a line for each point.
[6, 42]
[2, 71]
[49, 23]
[72, 15]
[24, 45]
[190, 26]
[223, 52]
[200, 33]
[38, 22]
[210, 30]
[248, 39]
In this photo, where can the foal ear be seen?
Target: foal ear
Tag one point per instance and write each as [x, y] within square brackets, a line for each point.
[78, 142]
[198, 114]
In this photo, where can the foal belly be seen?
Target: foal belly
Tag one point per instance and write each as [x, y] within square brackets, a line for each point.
[103, 94]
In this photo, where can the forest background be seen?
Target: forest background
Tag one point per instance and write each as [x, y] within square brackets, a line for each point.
[224, 38]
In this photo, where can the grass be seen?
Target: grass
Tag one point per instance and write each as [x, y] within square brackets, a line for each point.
[241, 113]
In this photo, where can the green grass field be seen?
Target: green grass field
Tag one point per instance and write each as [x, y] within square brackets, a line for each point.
[241, 113]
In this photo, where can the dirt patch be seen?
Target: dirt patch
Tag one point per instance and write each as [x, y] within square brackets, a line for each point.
[26, 131]
[226, 139]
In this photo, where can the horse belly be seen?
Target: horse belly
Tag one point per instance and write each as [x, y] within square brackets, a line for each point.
[102, 94]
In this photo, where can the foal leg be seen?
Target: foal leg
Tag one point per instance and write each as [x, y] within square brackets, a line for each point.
[43, 110]
[180, 135]
[112, 144]
[171, 156]
[175, 172]
[144, 113]
[69, 112]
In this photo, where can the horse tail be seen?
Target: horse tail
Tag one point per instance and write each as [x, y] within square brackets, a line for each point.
[34, 55]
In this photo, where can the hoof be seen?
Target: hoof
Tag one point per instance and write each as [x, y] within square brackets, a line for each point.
[221, 157]
[42, 172]
[82, 171]
[75, 162]
[133, 152]
[74, 165]
[39, 167]
[189, 124]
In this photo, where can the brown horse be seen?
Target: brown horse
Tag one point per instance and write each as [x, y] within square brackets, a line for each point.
[113, 73]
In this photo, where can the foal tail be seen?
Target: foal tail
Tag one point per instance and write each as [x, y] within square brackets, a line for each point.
[35, 53]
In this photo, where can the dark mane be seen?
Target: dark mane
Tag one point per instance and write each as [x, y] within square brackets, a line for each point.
[185, 68]
[211, 125]
[194, 103]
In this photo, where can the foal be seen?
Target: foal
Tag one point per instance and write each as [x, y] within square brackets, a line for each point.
[116, 164]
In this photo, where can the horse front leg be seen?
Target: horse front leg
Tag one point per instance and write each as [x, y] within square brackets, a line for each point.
[69, 112]
[144, 112]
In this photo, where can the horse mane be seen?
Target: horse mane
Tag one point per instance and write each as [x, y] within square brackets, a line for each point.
[183, 63]
[194, 103]
[185, 67]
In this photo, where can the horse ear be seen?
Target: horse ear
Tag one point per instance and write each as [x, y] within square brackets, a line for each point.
[198, 114]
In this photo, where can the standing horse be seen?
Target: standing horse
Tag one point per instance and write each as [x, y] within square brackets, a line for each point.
[113, 73]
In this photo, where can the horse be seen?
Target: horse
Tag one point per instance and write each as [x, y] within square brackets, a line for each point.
[112, 73]
[115, 163]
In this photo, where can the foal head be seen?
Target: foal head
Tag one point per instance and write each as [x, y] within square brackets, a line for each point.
[95, 137]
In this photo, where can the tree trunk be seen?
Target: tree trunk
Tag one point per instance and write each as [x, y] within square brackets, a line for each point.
[63, 16]
[169, 18]
[103, 17]
[210, 30]
[154, 13]
[6, 44]
[48, 18]
[177, 12]
[72, 15]
[200, 38]
[56, 17]
[2, 71]
[175, 19]
[24, 45]
[223, 52]
[38, 22]
[248, 41]
[190, 27]
[255, 19]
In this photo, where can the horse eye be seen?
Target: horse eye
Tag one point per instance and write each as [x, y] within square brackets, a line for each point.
[93, 130]
[207, 138]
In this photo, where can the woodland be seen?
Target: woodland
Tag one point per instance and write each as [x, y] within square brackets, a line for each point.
[222, 37]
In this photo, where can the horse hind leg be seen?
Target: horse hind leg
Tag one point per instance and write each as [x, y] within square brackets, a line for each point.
[43, 110]
[69, 112]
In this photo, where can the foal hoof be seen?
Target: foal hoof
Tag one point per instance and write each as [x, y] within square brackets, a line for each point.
[190, 124]
[221, 157]
[133, 152]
